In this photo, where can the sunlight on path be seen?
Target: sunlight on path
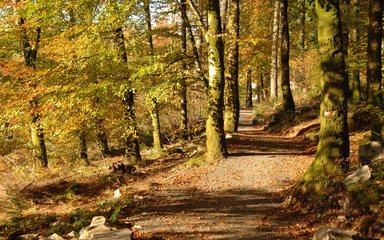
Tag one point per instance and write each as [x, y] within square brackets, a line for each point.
[235, 199]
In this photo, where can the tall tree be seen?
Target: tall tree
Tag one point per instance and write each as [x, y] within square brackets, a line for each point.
[355, 38]
[132, 148]
[183, 85]
[30, 57]
[374, 63]
[288, 103]
[216, 147]
[248, 96]
[152, 98]
[302, 25]
[333, 147]
[274, 51]
[231, 101]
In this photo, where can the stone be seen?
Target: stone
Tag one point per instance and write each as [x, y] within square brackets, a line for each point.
[97, 221]
[362, 174]
[371, 152]
[328, 233]
[120, 234]
[55, 237]
[116, 194]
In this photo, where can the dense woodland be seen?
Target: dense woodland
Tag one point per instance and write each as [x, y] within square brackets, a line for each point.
[89, 80]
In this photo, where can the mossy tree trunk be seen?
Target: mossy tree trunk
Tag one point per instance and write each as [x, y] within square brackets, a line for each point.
[248, 96]
[132, 148]
[374, 63]
[182, 84]
[231, 101]
[333, 147]
[216, 147]
[275, 39]
[156, 133]
[288, 103]
[153, 100]
[37, 131]
[131, 136]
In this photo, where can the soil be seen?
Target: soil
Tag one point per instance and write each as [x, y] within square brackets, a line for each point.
[241, 197]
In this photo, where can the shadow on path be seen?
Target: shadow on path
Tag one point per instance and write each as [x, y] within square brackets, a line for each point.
[239, 198]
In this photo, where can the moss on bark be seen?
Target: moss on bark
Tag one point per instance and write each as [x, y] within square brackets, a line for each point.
[216, 147]
[333, 149]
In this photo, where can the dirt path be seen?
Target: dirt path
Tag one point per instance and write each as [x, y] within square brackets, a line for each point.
[239, 198]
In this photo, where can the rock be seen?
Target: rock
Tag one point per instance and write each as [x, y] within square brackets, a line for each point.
[371, 152]
[327, 233]
[362, 174]
[120, 234]
[70, 234]
[55, 237]
[116, 194]
[97, 221]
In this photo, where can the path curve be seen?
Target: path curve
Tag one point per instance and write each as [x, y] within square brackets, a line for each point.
[239, 198]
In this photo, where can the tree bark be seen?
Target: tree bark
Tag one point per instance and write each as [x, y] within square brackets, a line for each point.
[302, 26]
[374, 63]
[333, 148]
[83, 146]
[223, 14]
[288, 103]
[149, 26]
[248, 97]
[216, 147]
[182, 85]
[232, 104]
[132, 148]
[355, 34]
[275, 38]
[156, 133]
[102, 139]
[37, 131]
[153, 102]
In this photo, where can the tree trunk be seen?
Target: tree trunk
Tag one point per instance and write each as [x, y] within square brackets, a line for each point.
[157, 144]
[153, 108]
[37, 136]
[83, 146]
[132, 148]
[37, 131]
[232, 104]
[216, 147]
[333, 148]
[302, 26]
[262, 88]
[182, 85]
[102, 139]
[223, 14]
[288, 103]
[374, 64]
[149, 26]
[356, 86]
[248, 96]
[275, 38]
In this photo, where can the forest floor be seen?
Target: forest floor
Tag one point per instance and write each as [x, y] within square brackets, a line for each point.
[240, 197]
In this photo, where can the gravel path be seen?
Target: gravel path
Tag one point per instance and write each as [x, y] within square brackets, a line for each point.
[239, 198]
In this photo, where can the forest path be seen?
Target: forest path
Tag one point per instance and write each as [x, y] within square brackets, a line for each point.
[238, 198]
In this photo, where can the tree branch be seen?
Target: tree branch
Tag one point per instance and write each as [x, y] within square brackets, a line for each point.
[199, 17]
